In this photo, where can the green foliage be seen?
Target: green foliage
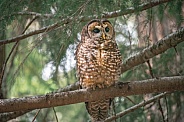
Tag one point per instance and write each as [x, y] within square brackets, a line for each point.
[27, 79]
[25, 69]
[175, 9]
[4, 12]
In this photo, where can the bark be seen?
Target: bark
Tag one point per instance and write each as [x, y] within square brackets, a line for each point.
[141, 7]
[65, 98]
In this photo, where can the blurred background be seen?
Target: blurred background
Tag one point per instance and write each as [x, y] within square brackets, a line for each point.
[44, 62]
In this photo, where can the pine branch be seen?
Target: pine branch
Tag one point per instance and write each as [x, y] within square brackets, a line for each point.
[26, 35]
[4, 117]
[159, 47]
[114, 14]
[130, 10]
[133, 108]
[164, 84]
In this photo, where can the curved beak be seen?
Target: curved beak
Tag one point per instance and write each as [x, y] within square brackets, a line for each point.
[103, 36]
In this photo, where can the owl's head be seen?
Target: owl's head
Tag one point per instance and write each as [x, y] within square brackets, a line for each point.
[99, 30]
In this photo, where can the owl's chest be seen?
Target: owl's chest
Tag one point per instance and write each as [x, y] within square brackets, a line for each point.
[98, 66]
[103, 60]
[93, 58]
[105, 53]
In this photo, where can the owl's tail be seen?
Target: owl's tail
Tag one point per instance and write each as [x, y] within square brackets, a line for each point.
[98, 110]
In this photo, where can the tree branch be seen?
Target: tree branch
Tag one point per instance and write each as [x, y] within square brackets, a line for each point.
[23, 36]
[130, 10]
[65, 98]
[131, 109]
[170, 41]
[4, 117]
[159, 47]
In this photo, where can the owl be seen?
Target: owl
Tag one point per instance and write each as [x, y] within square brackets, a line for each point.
[98, 62]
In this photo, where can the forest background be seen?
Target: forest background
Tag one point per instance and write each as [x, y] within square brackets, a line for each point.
[37, 47]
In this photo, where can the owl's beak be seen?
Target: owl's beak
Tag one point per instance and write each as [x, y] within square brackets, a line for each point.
[103, 36]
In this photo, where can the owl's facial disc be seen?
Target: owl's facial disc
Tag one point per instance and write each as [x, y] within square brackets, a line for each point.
[102, 30]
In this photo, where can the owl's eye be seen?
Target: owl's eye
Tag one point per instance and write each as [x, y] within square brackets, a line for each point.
[96, 30]
[107, 29]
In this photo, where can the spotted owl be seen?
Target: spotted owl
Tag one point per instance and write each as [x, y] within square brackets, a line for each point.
[98, 63]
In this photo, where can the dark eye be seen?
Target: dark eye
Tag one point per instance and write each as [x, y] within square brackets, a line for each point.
[107, 29]
[96, 30]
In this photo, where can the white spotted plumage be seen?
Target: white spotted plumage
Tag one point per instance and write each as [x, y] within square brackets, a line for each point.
[98, 63]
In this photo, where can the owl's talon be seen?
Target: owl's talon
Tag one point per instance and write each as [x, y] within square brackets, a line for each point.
[120, 84]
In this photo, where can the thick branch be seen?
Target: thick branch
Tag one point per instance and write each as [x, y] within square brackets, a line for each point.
[161, 46]
[65, 98]
[80, 19]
